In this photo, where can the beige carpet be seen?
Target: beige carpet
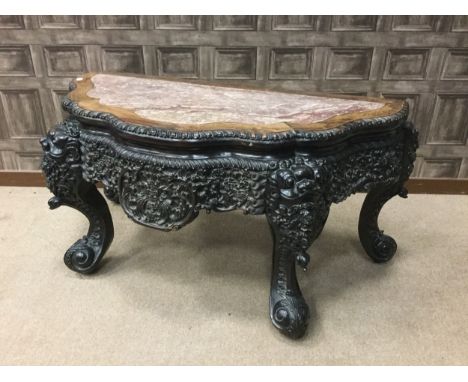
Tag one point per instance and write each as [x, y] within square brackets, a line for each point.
[200, 295]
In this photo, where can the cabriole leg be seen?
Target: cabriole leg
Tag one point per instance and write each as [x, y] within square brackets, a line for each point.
[62, 168]
[296, 213]
[381, 247]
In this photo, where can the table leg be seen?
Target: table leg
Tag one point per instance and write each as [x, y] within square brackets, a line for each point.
[288, 310]
[297, 212]
[62, 167]
[379, 247]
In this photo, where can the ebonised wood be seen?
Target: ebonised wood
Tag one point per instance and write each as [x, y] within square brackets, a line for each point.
[164, 178]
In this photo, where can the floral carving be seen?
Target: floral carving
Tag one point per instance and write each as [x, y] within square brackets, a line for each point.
[154, 191]
[160, 199]
[297, 210]
[167, 189]
[61, 165]
[61, 162]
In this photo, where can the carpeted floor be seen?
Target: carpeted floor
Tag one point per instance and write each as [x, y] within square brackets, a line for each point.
[200, 295]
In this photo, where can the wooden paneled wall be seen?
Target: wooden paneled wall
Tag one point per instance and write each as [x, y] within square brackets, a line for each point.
[423, 59]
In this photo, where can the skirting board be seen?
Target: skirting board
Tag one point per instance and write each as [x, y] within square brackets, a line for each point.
[414, 185]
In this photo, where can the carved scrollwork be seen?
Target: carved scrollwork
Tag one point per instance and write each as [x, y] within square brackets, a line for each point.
[295, 199]
[229, 189]
[160, 199]
[297, 211]
[168, 198]
[61, 165]
[299, 194]
[290, 315]
[362, 169]
[168, 194]
[166, 190]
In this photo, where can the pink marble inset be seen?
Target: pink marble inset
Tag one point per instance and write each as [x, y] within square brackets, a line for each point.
[186, 103]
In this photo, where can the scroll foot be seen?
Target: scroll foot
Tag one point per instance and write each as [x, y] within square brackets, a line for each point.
[297, 211]
[62, 168]
[380, 247]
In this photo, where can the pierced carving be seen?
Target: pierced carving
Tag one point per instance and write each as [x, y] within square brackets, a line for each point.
[162, 199]
[166, 193]
[369, 164]
[166, 190]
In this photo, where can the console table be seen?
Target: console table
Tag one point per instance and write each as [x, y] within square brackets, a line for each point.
[165, 149]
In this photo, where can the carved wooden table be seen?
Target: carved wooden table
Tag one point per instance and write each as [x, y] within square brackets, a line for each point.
[166, 149]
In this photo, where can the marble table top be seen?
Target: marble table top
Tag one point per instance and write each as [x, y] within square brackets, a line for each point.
[191, 105]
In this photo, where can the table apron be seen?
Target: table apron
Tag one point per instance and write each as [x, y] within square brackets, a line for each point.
[167, 191]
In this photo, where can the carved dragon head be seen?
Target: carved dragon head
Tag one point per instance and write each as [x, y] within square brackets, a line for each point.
[62, 143]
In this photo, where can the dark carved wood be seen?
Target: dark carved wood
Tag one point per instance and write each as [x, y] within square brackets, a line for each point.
[293, 182]
[297, 209]
[381, 247]
[63, 170]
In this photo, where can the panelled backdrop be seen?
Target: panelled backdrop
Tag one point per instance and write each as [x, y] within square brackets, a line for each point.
[423, 59]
